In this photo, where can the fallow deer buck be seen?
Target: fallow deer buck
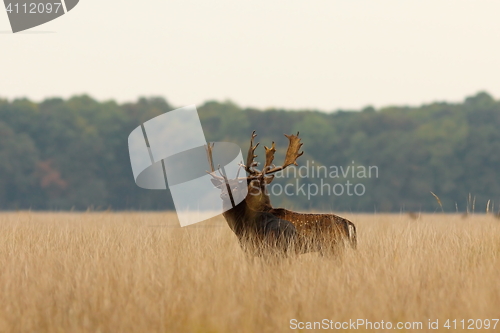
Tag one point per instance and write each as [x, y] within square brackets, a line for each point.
[255, 218]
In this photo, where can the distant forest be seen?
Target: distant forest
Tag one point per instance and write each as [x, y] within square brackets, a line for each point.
[72, 154]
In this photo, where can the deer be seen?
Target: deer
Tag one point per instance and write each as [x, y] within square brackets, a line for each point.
[284, 230]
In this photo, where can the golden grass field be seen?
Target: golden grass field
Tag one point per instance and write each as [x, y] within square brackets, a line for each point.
[141, 272]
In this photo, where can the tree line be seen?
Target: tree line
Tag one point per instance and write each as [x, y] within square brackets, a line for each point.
[62, 154]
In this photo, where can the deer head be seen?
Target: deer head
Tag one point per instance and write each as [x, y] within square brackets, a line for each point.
[256, 180]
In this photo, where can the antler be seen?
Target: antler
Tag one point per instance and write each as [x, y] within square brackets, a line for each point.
[292, 153]
[249, 167]
[269, 155]
[209, 147]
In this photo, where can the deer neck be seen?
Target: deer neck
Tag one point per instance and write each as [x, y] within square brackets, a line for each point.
[257, 198]
[242, 219]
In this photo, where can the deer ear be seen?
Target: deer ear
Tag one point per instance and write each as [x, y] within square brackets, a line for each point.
[217, 183]
[269, 179]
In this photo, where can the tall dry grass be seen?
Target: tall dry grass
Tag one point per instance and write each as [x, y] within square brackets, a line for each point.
[140, 272]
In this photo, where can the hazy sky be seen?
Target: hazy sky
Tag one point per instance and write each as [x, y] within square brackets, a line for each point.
[324, 54]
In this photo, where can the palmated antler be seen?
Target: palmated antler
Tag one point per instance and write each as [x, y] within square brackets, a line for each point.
[269, 162]
[249, 167]
[269, 155]
[292, 153]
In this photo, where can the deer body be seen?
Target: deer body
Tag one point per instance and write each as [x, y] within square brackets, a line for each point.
[314, 231]
[260, 231]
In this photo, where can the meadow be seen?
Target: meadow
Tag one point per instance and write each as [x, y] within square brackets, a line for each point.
[141, 272]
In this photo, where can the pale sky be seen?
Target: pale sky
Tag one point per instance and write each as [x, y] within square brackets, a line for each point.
[322, 54]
